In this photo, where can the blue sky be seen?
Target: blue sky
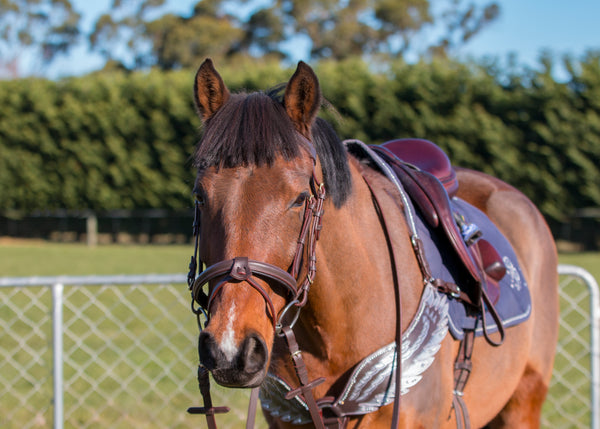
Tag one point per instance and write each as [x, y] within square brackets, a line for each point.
[525, 28]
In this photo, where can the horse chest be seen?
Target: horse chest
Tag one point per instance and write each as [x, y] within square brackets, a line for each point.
[372, 383]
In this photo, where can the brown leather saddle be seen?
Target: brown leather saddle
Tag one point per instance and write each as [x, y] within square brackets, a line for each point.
[428, 177]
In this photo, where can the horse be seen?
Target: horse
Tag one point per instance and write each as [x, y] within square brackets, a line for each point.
[299, 260]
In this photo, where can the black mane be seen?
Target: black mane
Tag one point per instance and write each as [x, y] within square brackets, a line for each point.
[253, 129]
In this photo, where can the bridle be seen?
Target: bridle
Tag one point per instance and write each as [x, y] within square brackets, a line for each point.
[244, 271]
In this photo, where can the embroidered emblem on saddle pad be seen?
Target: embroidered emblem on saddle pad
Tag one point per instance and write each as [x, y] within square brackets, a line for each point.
[371, 384]
[514, 301]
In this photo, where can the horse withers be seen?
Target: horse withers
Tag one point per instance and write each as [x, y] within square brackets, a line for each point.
[312, 279]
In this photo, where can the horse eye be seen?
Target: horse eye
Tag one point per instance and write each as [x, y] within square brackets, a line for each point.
[199, 199]
[299, 202]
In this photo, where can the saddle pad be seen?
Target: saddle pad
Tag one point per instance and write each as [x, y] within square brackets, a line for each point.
[514, 303]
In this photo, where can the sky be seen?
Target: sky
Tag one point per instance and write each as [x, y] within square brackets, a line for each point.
[524, 28]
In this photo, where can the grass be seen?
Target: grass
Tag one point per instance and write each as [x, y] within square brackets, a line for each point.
[49, 259]
[110, 360]
[590, 261]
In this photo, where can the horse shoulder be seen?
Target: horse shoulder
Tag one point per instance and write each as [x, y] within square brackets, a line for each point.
[390, 216]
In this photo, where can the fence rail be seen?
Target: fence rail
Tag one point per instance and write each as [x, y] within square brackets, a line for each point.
[119, 351]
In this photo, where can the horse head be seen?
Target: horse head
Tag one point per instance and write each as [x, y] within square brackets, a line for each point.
[256, 183]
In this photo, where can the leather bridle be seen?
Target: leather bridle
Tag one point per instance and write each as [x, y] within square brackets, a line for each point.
[242, 270]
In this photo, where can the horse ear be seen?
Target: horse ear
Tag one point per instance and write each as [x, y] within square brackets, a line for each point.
[210, 93]
[302, 98]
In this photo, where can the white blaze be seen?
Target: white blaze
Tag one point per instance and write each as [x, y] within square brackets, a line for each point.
[228, 346]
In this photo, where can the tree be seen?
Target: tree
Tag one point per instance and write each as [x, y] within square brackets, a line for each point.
[169, 41]
[335, 29]
[461, 23]
[121, 35]
[342, 28]
[338, 29]
[183, 42]
[37, 29]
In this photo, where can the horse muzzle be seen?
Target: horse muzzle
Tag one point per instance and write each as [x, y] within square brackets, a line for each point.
[233, 366]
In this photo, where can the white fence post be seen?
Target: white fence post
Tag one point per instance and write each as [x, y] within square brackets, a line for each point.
[57, 354]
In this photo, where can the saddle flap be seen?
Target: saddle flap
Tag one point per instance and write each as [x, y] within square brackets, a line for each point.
[492, 266]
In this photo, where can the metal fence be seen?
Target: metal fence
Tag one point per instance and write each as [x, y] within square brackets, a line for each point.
[120, 351]
[574, 397]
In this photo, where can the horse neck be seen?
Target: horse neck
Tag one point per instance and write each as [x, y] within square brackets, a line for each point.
[351, 308]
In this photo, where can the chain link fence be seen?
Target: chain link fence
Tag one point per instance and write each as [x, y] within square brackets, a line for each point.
[574, 396]
[98, 352]
[119, 352]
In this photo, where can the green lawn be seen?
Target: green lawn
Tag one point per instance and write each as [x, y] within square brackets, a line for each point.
[49, 259]
[130, 352]
[587, 260]
[569, 393]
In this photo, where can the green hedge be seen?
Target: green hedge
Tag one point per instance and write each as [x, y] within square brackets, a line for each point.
[116, 140]
[99, 142]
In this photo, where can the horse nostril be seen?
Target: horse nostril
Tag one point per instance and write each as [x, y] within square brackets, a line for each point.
[206, 350]
[253, 356]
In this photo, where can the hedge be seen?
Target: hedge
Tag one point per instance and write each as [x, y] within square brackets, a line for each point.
[118, 140]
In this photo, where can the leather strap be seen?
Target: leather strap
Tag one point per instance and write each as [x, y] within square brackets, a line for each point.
[461, 412]
[486, 303]
[336, 422]
[305, 389]
[252, 405]
[398, 395]
[255, 267]
[462, 370]
[442, 286]
[308, 213]
[208, 410]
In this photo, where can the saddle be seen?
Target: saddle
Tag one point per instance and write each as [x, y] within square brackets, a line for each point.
[427, 176]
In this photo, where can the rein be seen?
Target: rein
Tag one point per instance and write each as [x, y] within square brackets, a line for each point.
[242, 270]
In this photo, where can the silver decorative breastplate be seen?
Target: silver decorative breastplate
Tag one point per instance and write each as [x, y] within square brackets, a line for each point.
[372, 383]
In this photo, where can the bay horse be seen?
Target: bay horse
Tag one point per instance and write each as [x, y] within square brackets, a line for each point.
[272, 179]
